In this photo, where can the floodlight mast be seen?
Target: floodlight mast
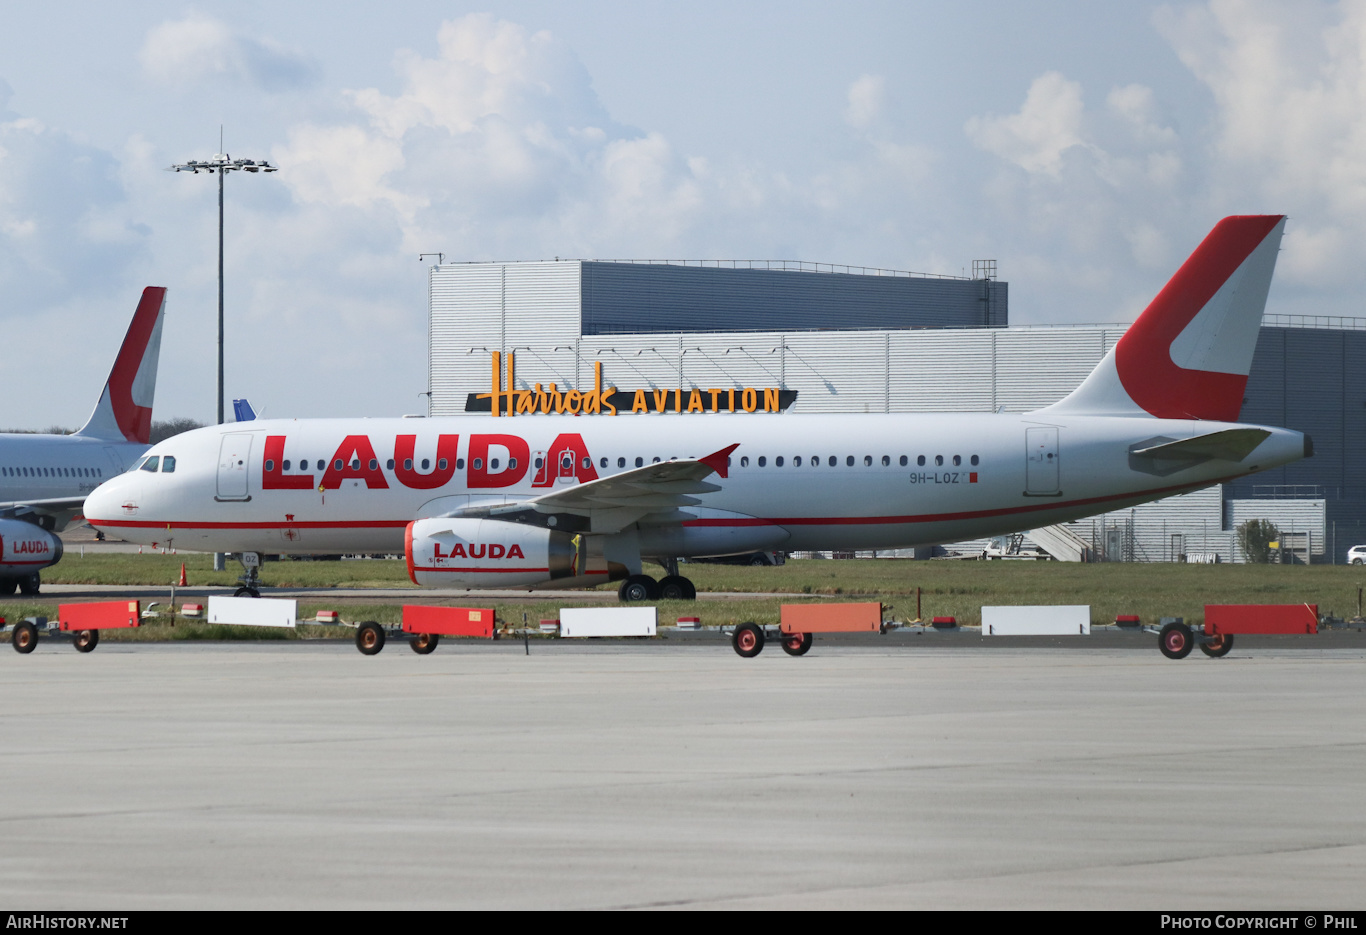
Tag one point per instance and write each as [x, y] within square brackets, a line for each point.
[222, 164]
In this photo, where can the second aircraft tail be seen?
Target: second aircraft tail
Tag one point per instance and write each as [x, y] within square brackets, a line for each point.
[124, 410]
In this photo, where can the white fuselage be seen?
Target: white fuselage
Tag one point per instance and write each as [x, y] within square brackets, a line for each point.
[794, 482]
[44, 467]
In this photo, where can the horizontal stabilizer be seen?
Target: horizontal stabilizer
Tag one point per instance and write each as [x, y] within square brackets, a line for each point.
[1229, 445]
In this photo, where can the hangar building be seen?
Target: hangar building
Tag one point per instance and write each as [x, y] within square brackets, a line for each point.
[851, 339]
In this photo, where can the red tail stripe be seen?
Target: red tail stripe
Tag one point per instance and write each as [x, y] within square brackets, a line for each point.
[1143, 355]
[133, 420]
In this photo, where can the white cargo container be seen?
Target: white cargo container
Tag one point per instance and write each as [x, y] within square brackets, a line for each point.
[1037, 620]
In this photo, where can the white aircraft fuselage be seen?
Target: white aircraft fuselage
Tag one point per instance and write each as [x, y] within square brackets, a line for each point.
[895, 480]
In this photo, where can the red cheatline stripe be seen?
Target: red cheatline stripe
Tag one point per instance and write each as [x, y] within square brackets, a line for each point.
[41, 561]
[338, 524]
[481, 570]
[756, 521]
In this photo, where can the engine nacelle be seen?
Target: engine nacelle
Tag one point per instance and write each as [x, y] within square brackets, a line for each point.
[486, 553]
[26, 548]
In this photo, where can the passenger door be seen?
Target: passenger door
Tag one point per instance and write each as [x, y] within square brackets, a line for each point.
[234, 454]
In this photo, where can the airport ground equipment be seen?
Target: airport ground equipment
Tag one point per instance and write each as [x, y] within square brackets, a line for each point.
[428, 624]
[1037, 620]
[799, 622]
[82, 623]
[1176, 638]
[253, 611]
[608, 621]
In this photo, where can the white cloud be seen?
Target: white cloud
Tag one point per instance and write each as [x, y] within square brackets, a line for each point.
[187, 51]
[866, 100]
[1046, 126]
[1289, 89]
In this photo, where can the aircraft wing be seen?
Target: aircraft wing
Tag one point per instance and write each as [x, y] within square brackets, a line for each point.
[654, 493]
[61, 509]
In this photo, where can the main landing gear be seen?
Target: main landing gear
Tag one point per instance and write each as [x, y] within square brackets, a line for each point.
[645, 588]
[28, 585]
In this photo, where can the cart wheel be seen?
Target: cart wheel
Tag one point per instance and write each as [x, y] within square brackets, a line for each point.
[369, 638]
[1176, 641]
[24, 637]
[423, 643]
[86, 640]
[748, 640]
[1219, 646]
[796, 644]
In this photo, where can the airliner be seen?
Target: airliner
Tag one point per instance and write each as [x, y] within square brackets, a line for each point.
[45, 479]
[546, 501]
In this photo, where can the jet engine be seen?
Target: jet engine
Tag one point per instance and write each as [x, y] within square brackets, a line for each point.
[487, 553]
[24, 550]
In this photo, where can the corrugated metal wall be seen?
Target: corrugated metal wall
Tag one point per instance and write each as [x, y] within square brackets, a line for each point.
[1292, 516]
[630, 298]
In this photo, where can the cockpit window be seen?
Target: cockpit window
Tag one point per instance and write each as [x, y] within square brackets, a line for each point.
[168, 464]
[150, 464]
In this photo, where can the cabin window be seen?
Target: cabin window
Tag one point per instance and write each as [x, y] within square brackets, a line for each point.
[407, 464]
[903, 461]
[602, 462]
[587, 463]
[640, 462]
[797, 461]
[374, 464]
[389, 464]
[426, 464]
[974, 460]
[655, 459]
[744, 462]
[338, 464]
[441, 464]
[621, 462]
[920, 461]
[886, 461]
[938, 460]
[168, 465]
[762, 461]
[270, 465]
[957, 460]
[867, 460]
[778, 461]
[285, 466]
[151, 464]
[538, 463]
[355, 464]
[460, 464]
[849, 461]
[478, 464]
[493, 464]
[512, 464]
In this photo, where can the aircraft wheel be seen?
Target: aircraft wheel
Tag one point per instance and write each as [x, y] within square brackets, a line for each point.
[1219, 646]
[246, 592]
[24, 637]
[677, 588]
[748, 640]
[1176, 641]
[29, 584]
[638, 588]
[8, 585]
[86, 640]
[369, 638]
[758, 560]
[796, 644]
[423, 643]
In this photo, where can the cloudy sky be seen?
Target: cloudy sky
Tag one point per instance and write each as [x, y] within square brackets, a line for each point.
[1086, 147]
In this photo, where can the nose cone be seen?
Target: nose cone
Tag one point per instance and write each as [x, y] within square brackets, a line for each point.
[115, 499]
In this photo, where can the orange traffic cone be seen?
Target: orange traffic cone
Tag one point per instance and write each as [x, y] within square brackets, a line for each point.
[183, 582]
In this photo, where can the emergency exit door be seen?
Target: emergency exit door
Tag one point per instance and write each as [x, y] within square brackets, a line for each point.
[233, 458]
[1041, 462]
